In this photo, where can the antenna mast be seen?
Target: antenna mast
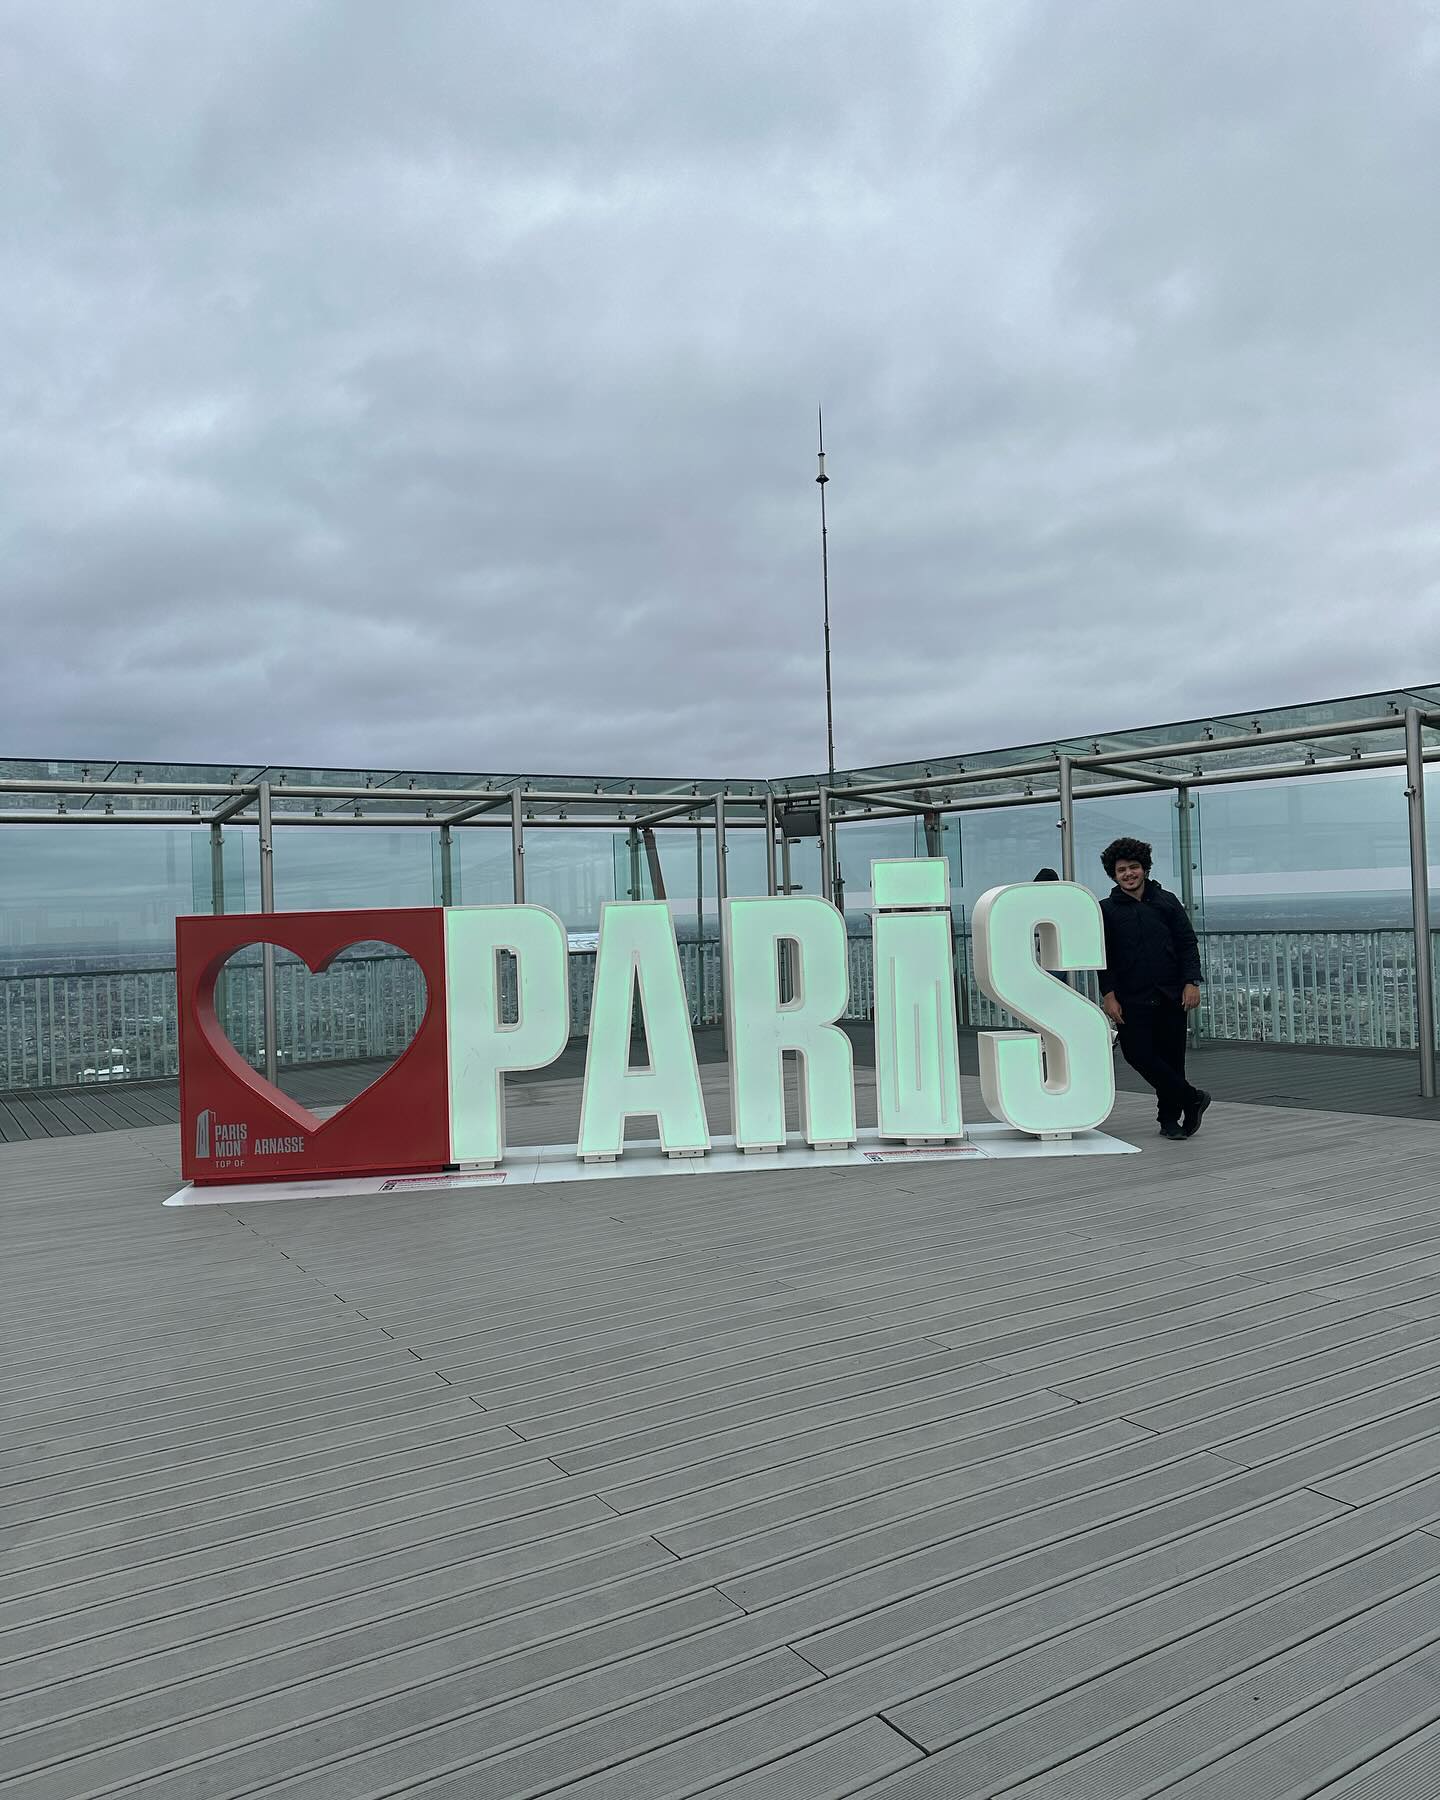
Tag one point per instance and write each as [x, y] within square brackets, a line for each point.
[822, 479]
[837, 887]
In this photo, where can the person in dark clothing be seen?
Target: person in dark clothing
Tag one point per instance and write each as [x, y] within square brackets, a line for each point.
[1150, 981]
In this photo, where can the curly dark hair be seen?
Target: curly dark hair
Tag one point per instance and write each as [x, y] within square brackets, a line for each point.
[1126, 850]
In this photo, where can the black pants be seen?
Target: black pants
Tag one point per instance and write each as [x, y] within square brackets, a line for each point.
[1152, 1041]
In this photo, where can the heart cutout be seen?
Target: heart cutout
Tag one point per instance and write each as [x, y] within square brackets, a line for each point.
[365, 1004]
[237, 1126]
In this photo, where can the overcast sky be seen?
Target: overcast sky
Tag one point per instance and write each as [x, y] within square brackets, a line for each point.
[433, 385]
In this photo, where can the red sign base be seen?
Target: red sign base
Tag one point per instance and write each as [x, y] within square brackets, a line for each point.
[235, 1126]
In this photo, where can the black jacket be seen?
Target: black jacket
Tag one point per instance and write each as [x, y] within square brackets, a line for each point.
[1150, 945]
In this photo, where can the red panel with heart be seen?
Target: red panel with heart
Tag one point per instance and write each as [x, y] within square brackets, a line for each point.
[236, 1127]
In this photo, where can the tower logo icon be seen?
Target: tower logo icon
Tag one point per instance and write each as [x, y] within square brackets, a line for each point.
[202, 1132]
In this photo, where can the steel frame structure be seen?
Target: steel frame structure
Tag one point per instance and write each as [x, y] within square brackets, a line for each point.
[1386, 731]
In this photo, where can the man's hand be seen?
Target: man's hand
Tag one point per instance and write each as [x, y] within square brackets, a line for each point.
[1113, 1010]
[1190, 997]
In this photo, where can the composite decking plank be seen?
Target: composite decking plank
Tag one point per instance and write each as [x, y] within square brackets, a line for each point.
[1282, 1544]
[1130, 1721]
[46, 1536]
[630, 1715]
[1042, 1450]
[1000, 1420]
[62, 1498]
[1347, 1344]
[1328, 1740]
[374, 1364]
[549, 1599]
[505, 1520]
[157, 1448]
[1409, 1770]
[831, 1770]
[392, 1678]
[18, 1123]
[180, 1612]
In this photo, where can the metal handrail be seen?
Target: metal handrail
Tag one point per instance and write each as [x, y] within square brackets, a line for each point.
[1346, 986]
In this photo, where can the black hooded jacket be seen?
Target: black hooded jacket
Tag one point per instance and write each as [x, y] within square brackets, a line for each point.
[1150, 945]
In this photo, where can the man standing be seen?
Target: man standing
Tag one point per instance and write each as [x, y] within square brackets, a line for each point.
[1150, 982]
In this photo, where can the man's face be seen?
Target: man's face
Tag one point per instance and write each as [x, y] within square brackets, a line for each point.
[1130, 877]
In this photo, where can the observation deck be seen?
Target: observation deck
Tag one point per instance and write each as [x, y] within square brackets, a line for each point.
[1061, 1479]
[1076, 1479]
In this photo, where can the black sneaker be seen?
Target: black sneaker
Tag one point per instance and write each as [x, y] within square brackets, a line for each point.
[1194, 1114]
[1172, 1130]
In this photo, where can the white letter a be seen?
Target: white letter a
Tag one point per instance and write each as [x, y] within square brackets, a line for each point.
[637, 953]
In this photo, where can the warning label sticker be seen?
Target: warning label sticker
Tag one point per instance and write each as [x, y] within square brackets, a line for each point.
[922, 1153]
[442, 1181]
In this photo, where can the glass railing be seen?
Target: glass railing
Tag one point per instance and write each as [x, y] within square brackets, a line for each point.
[1344, 989]
[64, 1030]
[1350, 990]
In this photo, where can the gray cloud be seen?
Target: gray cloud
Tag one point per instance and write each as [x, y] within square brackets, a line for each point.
[434, 386]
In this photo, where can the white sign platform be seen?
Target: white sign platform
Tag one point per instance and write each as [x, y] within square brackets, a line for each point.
[527, 1167]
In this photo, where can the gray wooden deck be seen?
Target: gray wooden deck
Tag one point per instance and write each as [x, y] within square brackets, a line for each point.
[1075, 1479]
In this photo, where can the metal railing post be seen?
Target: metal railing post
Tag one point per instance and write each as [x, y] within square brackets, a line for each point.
[267, 905]
[1186, 856]
[517, 846]
[1067, 819]
[217, 905]
[217, 868]
[770, 880]
[1420, 900]
[1183, 805]
[447, 868]
[699, 925]
[935, 848]
[633, 845]
[722, 888]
